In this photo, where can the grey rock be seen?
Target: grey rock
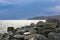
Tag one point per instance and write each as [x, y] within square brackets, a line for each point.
[40, 37]
[51, 36]
[58, 30]
[57, 36]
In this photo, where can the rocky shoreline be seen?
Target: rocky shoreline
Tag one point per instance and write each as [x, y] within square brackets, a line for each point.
[49, 30]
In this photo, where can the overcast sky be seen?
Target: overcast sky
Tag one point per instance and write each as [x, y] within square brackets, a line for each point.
[22, 9]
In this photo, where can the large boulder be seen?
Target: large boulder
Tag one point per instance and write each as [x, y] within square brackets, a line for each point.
[57, 30]
[54, 36]
[51, 36]
[40, 37]
[40, 24]
[1, 35]
[18, 37]
[57, 36]
[5, 37]
[10, 29]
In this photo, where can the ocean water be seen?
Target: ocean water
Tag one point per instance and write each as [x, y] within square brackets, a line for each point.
[15, 23]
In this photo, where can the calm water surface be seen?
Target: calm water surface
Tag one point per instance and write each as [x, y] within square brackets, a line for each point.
[15, 23]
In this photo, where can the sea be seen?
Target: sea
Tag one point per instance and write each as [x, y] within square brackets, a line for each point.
[4, 24]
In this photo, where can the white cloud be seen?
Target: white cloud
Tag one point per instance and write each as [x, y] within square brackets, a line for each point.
[57, 7]
[54, 9]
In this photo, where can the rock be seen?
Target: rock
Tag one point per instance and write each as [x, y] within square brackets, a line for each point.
[58, 30]
[40, 37]
[57, 36]
[18, 36]
[1, 35]
[6, 37]
[51, 36]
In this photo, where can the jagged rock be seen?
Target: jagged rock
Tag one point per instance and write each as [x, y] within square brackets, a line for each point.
[58, 30]
[40, 37]
[37, 37]
[57, 36]
[1, 35]
[51, 36]
[5, 37]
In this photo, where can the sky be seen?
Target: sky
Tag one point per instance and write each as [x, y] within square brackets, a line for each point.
[23, 9]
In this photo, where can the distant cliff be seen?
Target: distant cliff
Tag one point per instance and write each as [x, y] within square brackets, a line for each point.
[44, 17]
